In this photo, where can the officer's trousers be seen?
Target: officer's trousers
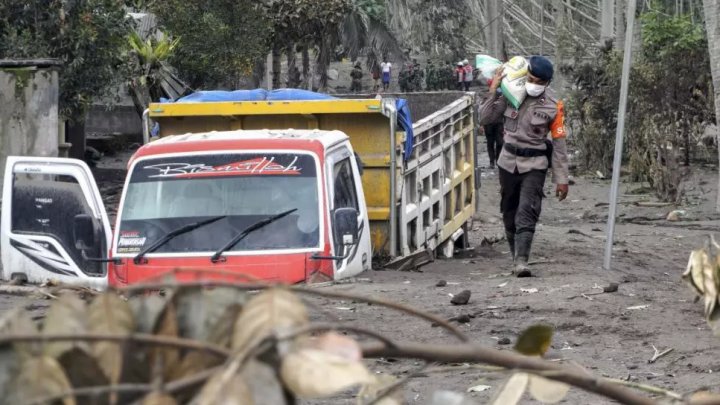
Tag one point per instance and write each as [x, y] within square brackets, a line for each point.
[494, 138]
[521, 202]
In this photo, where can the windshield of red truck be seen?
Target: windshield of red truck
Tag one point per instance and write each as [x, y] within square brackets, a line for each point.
[170, 192]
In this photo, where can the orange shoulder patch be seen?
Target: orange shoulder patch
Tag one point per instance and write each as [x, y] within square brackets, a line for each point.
[557, 126]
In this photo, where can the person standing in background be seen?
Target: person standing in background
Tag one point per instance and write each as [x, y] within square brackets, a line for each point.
[459, 76]
[375, 71]
[468, 76]
[386, 68]
[356, 76]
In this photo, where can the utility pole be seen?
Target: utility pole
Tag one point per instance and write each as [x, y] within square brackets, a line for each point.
[619, 133]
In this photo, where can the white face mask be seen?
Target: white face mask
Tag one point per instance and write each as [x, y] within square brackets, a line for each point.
[534, 90]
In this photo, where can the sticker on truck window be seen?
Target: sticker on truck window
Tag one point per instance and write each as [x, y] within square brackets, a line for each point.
[225, 165]
[130, 242]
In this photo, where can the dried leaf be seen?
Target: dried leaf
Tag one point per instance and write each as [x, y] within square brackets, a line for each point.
[378, 383]
[157, 398]
[9, 367]
[270, 311]
[66, 315]
[220, 334]
[82, 369]
[547, 391]
[199, 310]
[224, 389]
[710, 284]
[167, 325]
[146, 311]
[263, 382]
[39, 377]
[694, 271]
[335, 343]
[535, 340]
[18, 322]
[512, 391]
[108, 313]
[313, 373]
[479, 388]
[638, 307]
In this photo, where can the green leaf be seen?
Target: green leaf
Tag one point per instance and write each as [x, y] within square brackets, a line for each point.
[535, 340]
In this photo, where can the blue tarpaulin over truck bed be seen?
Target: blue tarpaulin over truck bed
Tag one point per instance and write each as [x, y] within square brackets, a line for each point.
[404, 118]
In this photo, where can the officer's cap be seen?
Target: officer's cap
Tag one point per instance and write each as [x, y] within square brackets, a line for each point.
[541, 67]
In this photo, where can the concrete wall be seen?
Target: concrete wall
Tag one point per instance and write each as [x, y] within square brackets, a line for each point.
[28, 108]
[119, 119]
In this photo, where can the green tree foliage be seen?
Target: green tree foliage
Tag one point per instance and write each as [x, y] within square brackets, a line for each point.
[447, 24]
[86, 35]
[670, 101]
[220, 40]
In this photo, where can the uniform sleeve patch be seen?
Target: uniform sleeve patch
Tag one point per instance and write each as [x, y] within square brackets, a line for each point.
[557, 127]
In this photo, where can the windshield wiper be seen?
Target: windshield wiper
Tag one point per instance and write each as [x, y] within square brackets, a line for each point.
[172, 234]
[216, 257]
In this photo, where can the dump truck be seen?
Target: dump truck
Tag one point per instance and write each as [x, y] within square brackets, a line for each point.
[280, 189]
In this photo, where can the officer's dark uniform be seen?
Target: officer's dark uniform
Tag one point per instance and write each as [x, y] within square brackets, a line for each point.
[526, 156]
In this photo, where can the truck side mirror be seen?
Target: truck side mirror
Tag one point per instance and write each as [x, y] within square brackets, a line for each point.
[346, 225]
[85, 233]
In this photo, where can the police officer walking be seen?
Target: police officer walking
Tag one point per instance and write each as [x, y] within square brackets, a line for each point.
[527, 155]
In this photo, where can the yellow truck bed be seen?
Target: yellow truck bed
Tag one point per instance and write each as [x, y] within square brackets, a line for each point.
[434, 187]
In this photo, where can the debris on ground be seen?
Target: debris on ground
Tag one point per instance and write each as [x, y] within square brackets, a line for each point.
[676, 215]
[461, 299]
[441, 283]
[524, 273]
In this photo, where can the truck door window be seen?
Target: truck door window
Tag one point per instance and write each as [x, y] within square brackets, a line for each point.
[344, 186]
[48, 206]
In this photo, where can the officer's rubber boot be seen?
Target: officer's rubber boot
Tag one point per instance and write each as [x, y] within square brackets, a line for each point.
[523, 243]
[511, 242]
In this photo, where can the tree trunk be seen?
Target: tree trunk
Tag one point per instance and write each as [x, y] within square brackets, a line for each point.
[712, 27]
[307, 75]
[75, 134]
[292, 76]
[620, 25]
[276, 67]
[258, 72]
[607, 14]
[496, 36]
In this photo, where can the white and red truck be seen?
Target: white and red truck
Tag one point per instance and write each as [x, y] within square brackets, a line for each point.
[224, 194]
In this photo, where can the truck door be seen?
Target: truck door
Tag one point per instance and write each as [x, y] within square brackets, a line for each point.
[347, 193]
[41, 199]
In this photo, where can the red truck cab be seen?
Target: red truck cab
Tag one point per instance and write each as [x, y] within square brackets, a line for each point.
[277, 205]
